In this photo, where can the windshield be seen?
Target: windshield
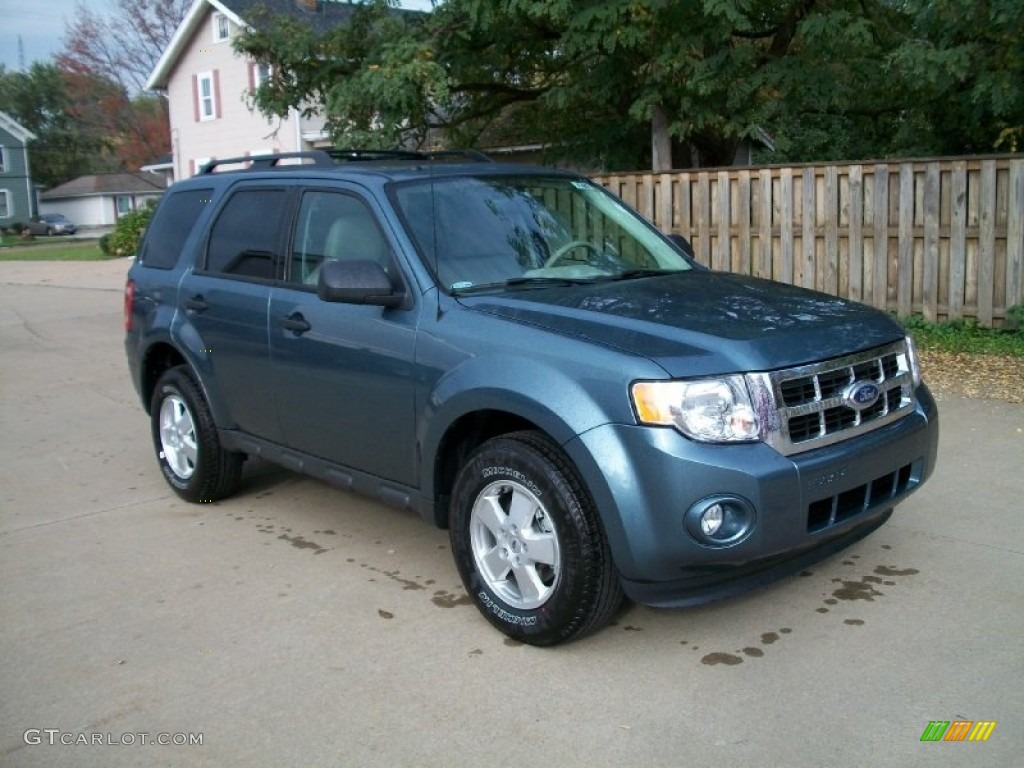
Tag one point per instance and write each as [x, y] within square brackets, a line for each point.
[484, 232]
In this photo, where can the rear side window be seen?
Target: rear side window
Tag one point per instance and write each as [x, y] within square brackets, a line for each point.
[245, 239]
[172, 223]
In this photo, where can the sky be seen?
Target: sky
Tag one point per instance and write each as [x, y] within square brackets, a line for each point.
[40, 24]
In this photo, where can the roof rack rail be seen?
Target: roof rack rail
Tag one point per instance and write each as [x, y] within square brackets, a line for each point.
[318, 156]
[326, 158]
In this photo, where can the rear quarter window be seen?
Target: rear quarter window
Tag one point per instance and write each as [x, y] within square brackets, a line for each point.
[171, 225]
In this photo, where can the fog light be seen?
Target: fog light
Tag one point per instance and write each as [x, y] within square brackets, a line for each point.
[720, 521]
[712, 519]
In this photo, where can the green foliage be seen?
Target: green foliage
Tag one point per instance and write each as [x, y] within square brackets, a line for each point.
[77, 250]
[965, 337]
[104, 244]
[125, 239]
[835, 79]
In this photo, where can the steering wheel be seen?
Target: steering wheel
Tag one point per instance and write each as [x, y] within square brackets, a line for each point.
[557, 255]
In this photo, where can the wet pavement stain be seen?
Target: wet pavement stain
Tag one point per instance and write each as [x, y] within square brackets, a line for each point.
[513, 643]
[445, 599]
[767, 638]
[385, 614]
[756, 653]
[476, 652]
[301, 543]
[721, 658]
[821, 610]
[856, 590]
[885, 570]
[854, 622]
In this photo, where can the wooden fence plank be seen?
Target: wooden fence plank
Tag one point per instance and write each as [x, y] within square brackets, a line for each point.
[957, 241]
[905, 288]
[831, 283]
[809, 237]
[879, 292]
[664, 219]
[856, 233]
[764, 268]
[987, 250]
[1015, 237]
[724, 260]
[703, 231]
[743, 233]
[930, 291]
[786, 225]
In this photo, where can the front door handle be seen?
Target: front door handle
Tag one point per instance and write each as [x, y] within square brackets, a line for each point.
[196, 304]
[295, 323]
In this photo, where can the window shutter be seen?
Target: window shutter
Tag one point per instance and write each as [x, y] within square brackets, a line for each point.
[216, 92]
[195, 97]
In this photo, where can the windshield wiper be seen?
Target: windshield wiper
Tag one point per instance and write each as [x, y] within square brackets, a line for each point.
[631, 274]
[521, 282]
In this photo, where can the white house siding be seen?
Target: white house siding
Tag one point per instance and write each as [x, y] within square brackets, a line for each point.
[94, 210]
[236, 130]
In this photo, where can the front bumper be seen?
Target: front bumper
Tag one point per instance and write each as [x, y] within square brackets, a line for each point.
[806, 506]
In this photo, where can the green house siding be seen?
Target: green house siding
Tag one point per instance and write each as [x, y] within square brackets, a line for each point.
[16, 196]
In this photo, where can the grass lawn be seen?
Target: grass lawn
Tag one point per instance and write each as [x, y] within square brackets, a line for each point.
[51, 249]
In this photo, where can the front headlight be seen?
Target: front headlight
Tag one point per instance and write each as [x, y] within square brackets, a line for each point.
[710, 410]
[913, 363]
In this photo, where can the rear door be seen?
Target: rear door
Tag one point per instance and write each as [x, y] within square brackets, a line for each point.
[226, 299]
[345, 373]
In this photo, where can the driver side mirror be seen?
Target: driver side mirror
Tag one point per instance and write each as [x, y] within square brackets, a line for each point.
[357, 282]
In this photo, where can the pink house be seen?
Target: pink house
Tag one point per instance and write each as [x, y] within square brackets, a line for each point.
[207, 84]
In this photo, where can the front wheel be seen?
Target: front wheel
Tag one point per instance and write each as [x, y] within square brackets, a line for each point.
[528, 543]
[185, 438]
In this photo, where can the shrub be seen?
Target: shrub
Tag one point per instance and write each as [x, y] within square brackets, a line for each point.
[104, 244]
[125, 239]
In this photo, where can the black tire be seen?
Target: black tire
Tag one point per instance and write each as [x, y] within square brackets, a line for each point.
[535, 601]
[186, 443]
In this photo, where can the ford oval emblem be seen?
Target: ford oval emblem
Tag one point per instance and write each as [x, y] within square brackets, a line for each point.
[861, 395]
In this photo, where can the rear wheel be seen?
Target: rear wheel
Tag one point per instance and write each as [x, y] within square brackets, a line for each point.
[528, 543]
[185, 438]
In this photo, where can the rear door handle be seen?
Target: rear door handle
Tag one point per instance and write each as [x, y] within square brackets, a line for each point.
[196, 304]
[295, 323]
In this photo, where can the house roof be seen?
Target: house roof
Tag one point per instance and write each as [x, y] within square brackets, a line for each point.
[100, 184]
[325, 16]
[15, 128]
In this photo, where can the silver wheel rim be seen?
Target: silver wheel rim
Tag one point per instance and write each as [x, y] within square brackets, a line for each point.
[515, 545]
[178, 437]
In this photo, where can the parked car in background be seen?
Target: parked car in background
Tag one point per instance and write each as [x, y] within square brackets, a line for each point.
[51, 224]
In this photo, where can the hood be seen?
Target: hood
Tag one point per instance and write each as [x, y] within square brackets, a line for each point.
[700, 323]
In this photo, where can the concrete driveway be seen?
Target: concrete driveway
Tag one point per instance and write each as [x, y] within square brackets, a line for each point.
[296, 625]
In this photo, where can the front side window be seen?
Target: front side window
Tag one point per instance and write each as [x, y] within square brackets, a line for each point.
[124, 204]
[333, 226]
[245, 239]
[3, 159]
[6, 208]
[482, 232]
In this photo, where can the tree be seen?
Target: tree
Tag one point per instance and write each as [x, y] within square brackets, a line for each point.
[123, 48]
[48, 103]
[626, 83]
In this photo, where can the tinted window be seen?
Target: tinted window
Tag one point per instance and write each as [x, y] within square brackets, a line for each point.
[171, 226]
[246, 237]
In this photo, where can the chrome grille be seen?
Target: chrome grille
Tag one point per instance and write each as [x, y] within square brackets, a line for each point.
[811, 404]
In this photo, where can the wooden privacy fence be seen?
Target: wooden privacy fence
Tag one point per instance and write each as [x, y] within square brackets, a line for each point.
[943, 238]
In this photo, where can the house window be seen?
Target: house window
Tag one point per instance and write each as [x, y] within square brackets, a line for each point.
[261, 73]
[221, 28]
[3, 159]
[207, 96]
[6, 207]
[124, 204]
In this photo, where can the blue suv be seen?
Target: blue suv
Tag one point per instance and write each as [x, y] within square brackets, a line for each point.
[515, 355]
